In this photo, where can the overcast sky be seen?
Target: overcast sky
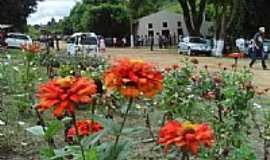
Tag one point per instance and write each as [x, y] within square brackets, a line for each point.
[51, 8]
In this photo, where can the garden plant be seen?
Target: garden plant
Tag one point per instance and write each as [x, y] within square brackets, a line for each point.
[89, 108]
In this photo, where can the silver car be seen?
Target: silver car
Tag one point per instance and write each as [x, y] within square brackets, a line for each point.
[194, 45]
[17, 39]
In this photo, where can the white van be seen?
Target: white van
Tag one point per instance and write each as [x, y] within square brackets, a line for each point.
[82, 43]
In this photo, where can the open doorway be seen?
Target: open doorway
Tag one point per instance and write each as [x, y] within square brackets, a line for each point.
[166, 33]
[150, 33]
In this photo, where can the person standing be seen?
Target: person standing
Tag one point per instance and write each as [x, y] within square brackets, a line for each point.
[152, 41]
[142, 40]
[114, 42]
[146, 43]
[258, 48]
[102, 45]
[2, 37]
[58, 38]
[160, 41]
[124, 41]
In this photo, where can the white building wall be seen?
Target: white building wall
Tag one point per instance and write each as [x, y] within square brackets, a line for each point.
[157, 20]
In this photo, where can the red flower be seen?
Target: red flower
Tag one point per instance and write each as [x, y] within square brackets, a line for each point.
[85, 128]
[188, 137]
[210, 95]
[32, 48]
[65, 94]
[134, 78]
[167, 69]
[175, 66]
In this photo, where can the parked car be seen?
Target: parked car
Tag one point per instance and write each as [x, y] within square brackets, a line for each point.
[194, 45]
[15, 40]
[84, 43]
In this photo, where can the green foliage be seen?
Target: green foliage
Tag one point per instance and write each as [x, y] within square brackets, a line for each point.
[186, 96]
[52, 129]
[96, 18]
[15, 12]
[33, 32]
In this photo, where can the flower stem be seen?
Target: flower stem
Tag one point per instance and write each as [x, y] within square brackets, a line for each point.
[77, 133]
[27, 81]
[148, 125]
[122, 126]
[50, 141]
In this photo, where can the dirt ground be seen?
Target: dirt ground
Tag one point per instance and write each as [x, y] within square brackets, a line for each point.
[167, 57]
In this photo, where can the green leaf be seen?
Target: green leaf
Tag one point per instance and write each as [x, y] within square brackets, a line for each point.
[106, 123]
[67, 151]
[133, 130]
[93, 139]
[53, 128]
[36, 130]
[91, 154]
[107, 151]
[46, 153]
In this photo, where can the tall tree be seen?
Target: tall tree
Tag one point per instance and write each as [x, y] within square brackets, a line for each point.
[193, 11]
[225, 14]
[95, 16]
[15, 12]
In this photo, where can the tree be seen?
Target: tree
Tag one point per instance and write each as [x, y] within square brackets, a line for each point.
[225, 14]
[94, 16]
[193, 11]
[139, 8]
[255, 14]
[15, 12]
[98, 19]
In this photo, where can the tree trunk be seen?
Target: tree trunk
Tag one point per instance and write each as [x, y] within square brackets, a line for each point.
[193, 15]
[223, 23]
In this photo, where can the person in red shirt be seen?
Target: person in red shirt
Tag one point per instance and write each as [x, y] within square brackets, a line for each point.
[2, 38]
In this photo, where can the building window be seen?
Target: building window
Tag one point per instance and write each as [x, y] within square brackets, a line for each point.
[150, 26]
[165, 24]
[179, 24]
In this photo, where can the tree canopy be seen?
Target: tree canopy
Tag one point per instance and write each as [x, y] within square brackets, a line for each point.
[97, 16]
[15, 12]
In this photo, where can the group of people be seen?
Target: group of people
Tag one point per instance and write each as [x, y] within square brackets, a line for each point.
[50, 40]
[163, 40]
[115, 43]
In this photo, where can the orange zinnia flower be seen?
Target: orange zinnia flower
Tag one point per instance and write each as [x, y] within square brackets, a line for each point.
[65, 94]
[134, 78]
[187, 137]
[85, 128]
[32, 48]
